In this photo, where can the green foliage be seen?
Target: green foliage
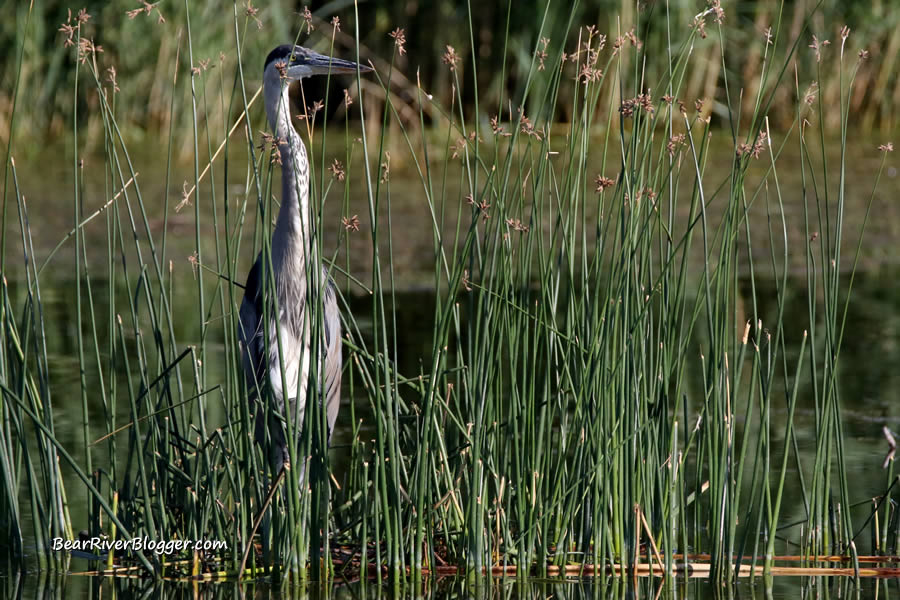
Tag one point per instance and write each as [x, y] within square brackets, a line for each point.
[143, 51]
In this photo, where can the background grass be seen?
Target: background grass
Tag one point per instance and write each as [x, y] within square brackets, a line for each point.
[143, 51]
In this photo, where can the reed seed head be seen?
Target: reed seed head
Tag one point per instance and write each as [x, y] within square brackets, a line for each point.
[517, 225]
[185, 197]
[146, 8]
[351, 223]
[386, 167]
[718, 12]
[674, 142]
[111, 78]
[337, 170]
[603, 182]
[307, 18]
[818, 47]
[450, 57]
[541, 53]
[399, 36]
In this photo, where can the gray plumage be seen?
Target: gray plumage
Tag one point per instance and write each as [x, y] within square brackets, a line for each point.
[297, 288]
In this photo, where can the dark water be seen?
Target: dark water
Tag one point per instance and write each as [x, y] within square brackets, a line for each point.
[869, 374]
[57, 587]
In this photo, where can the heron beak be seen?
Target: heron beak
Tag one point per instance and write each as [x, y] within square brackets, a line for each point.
[319, 64]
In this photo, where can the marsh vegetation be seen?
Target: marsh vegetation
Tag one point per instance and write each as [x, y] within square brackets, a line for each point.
[597, 306]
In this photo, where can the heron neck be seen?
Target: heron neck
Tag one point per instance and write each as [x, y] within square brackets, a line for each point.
[291, 237]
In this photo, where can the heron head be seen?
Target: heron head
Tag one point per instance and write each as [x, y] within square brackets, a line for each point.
[296, 62]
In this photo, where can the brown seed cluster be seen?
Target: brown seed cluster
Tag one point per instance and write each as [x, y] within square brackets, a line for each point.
[146, 8]
[754, 150]
[528, 128]
[589, 74]
[845, 33]
[337, 170]
[185, 197]
[674, 142]
[668, 99]
[69, 31]
[718, 12]
[307, 19]
[483, 207]
[458, 148]
[72, 30]
[700, 25]
[386, 167]
[270, 141]
[818, 47]
[351, 223]
[87, 48]
[541, 54]
[641, 101]
[111, 78]
[450, 57]
[812, 91]
[644, 192]
[517, 225]
[629, 36]
[715, 9]
[399, 36]
[202, 65]
[497, 128]
[466, 282]
[603, 182]
[194, 259]
[252, 13]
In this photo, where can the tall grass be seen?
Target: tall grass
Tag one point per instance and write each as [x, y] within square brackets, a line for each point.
[593, 394]
[142, 50]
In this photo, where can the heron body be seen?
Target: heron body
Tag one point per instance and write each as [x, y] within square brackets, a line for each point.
[302, 285]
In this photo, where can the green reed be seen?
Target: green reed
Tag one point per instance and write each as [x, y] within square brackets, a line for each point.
[591, 386]
[142, 47]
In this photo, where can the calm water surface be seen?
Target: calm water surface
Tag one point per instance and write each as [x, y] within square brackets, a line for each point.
[452, 589]
[869, 374]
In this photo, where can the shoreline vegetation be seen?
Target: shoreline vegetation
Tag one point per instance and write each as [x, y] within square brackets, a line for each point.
[553, 420]
[140, 42]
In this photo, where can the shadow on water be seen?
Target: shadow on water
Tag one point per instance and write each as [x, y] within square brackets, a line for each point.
[870, 401]
[16, 587]
[869, 378]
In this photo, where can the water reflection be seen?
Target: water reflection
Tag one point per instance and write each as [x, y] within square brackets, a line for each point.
[50, 586]
[869, 385]
[869, 379]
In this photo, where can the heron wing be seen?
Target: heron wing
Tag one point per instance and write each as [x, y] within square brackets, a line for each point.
[250, 330]
[333, 359]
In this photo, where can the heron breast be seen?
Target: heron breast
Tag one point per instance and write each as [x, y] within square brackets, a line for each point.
[294, 359]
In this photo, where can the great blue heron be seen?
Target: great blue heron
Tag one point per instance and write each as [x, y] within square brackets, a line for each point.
[297, 289]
